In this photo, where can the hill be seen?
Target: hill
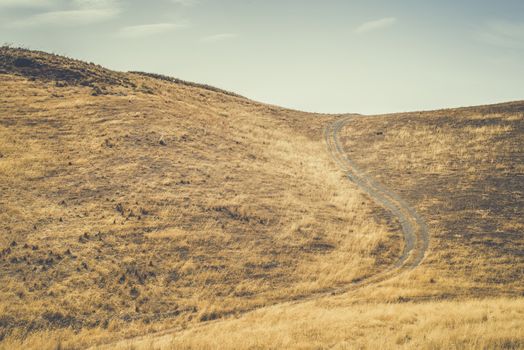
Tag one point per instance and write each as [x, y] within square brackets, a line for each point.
[462, 171]
[134, 203]
[131, 203]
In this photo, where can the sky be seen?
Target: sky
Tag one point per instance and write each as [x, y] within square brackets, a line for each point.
[328, 56]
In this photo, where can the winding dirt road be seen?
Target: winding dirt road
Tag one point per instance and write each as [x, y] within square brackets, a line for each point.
[416, 236]
[415, 231]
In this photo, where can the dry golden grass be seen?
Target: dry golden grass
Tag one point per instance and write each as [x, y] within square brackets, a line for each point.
[471, 324]
[131, 204]
[463, 171]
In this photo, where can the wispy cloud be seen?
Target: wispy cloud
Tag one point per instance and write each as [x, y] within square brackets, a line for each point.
[185, 2]
[503, 34]
[79, 12]
[24, 3]
[219, 37]
[67, 18]
[376, 24]
[144, 30]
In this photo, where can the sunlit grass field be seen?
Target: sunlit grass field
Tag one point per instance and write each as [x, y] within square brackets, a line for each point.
[142, 213]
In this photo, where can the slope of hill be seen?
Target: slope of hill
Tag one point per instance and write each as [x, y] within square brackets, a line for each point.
[141, 205]
[462, 171]
[131, 203]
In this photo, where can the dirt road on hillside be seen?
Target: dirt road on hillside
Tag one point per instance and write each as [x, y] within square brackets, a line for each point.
[416, 236]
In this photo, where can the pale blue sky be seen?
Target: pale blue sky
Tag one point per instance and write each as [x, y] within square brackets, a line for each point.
[322, 56]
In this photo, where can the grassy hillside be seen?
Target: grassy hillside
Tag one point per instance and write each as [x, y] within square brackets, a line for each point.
[177, 215]
[462, 170]
[131, 203]
[332, 323]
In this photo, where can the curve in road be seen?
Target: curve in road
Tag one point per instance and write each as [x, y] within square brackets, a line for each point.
[415, 231]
